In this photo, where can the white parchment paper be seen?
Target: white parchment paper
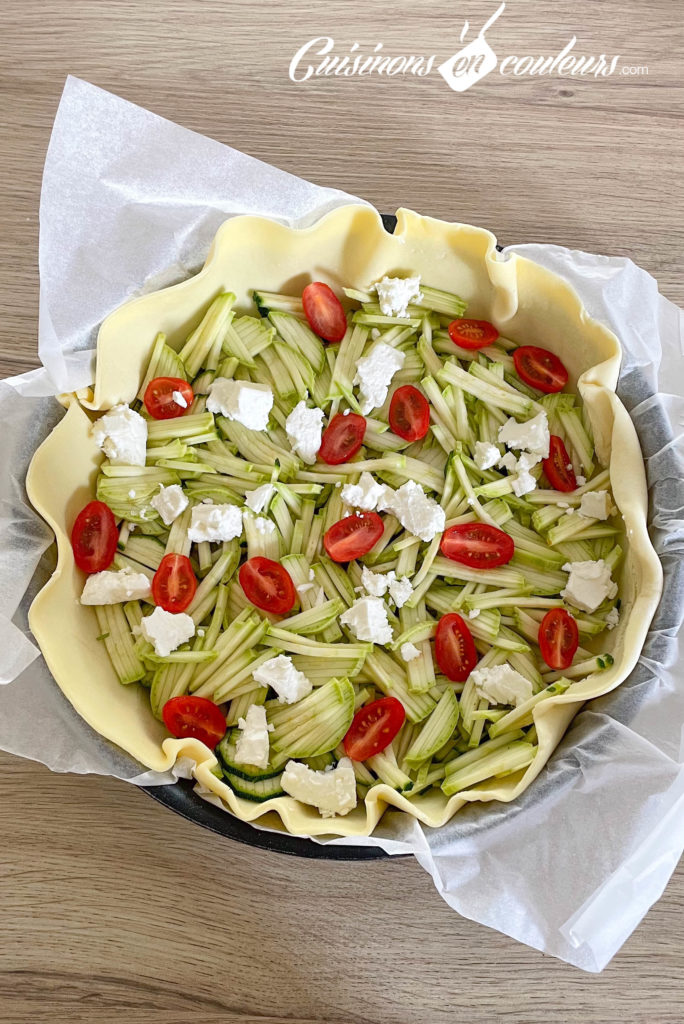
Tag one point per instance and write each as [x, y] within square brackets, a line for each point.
[129, 201]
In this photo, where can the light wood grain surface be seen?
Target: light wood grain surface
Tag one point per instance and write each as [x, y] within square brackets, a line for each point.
[112, 908]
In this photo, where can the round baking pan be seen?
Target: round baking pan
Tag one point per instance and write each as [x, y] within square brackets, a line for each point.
[182, 799]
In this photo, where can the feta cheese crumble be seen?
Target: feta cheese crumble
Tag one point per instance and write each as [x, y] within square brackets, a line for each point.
[374, 374]
[179, 399]
[288, 682]
[501, 684]
[115, 587]
[523, 481]
[252, 746]
[589, 584]
[532, 435]
[377, 584]
[122, 435]
[332, 791]
[612, 618]
[596, 505]
[166, 631]
[259, 498]
[395, 294]
[367, 619]
[170, 502]
[304, 428]
[416, 512]
[374, 583]
[214, 523]
[263, 525]
[409, 652]
[248, 404]
[366, 494]
[486, 455]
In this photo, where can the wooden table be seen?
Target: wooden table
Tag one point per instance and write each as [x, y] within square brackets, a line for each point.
[113, 909]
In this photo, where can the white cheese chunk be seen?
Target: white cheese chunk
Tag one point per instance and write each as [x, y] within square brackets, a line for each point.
[367, 619]
[215, 523]
[532, 435]
[115, 587]
[166, 631]
[170, 502]
[596, 505]
[367, 494]
[501, 684]
[288, 682]
[409, 652]
[259, 498]
[248, 404]
[374, 374]
[486, 455]
[581, 480]
[612, 618]
[374, 583]
[252, 746]
[332, 791]
[416, 512]
[179, 399]
[509, 462]
[122, 435]
[395, 294]
[589, 584]
[400, 590]
[377, 584]
[523, 481]
[304, 428]
[474, 612]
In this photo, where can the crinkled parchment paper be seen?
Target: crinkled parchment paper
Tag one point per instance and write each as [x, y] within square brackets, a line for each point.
[131, 201]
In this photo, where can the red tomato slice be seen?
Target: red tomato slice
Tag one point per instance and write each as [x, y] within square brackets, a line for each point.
[94, 537]
[174, 583]
[353, 536]
[409, 413]
[324, 311]
[342, 438]
[268, 585]
[455, 648]
[472, 333]
[540, 369]
[558, 467]
[478, 545]
[373, 728]
[159, 400]
[195, 718]
[558, 638]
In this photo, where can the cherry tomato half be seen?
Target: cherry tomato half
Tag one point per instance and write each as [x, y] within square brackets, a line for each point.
[540, 369]
[159, 397]
[373, 728]
[342, 438]
[196, 718]
[324, 312]
[268, 585]
[455, 648]
[472, 333]
[409, 413]
[558, 467]
[174, 583]
[477, 545]
[558, 638]
[94, 537]
[353, 536]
